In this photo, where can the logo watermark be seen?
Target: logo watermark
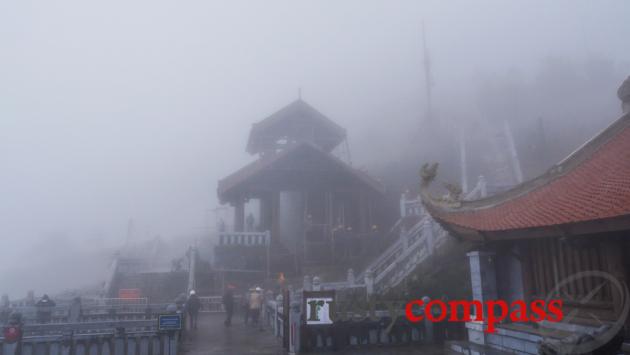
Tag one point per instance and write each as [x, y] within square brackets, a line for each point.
[582, 342]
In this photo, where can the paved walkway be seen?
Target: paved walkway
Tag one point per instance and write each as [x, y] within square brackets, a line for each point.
[213, 338]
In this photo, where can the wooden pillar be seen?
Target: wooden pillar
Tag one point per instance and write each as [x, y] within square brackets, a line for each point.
[239, 216]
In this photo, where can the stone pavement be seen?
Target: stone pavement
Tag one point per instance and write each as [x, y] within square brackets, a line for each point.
[213, 338]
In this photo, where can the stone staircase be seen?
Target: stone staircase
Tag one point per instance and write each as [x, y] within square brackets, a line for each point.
[417, 243]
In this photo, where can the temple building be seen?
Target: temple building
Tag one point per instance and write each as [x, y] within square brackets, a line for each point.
[315, 207]
[563, 235]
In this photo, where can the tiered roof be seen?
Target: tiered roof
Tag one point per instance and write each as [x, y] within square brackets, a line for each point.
[301, 164]
[296, 122]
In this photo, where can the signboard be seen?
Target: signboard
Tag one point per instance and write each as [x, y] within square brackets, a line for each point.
[169, 322]
[128, 293]
[318, 307]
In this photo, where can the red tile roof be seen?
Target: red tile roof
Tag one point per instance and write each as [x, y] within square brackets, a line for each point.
[591, 184]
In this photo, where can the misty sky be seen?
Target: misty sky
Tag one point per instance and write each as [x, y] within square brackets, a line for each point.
[113, 110]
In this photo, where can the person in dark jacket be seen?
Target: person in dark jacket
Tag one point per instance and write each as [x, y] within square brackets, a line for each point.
[75, 312]
[228, 305]
[193, 305]
[44, 309]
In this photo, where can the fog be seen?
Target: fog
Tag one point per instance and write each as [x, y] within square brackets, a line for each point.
[119, 110]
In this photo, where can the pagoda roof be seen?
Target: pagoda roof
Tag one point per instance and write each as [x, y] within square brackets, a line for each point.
[299, 166]
[297, 122]
[587, 192]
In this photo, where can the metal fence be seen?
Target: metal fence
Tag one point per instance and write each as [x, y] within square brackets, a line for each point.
[128, 337]
[274, 317]
[137, 343]
[93, 313]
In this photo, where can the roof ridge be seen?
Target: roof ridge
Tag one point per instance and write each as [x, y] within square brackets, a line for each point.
[580, 155]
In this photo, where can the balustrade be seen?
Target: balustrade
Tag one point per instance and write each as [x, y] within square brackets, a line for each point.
[244, 238]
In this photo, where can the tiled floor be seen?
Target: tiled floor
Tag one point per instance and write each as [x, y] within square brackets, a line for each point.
[213, 338]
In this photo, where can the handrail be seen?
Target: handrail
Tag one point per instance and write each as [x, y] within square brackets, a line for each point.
[392, 250]
[60, 314]
[58, 328]
[402, 257]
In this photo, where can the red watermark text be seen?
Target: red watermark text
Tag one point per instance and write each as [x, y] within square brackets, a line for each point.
[491, 312]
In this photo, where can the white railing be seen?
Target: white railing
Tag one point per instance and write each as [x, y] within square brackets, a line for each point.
[103, 327]
[121, 302]
[479, 191]
[102, 341]
[391, 254]
[274, 314]
[245, 238]
[414, 247]
[92, 313]
[410, 207]
[400, 259]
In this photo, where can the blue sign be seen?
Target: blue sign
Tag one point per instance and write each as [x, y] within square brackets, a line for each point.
[169, 322]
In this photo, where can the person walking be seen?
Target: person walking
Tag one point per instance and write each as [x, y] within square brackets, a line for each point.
[245, 304]
[44, 309]
[193, 305]
[255, 303]
[75, 312]
[228, 305]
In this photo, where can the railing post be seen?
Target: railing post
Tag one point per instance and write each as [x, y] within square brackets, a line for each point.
[295, 322]
[10, 348]
[276, 328]
[172, 343]
[119, 342]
